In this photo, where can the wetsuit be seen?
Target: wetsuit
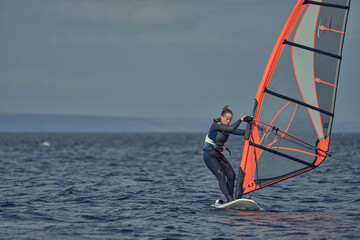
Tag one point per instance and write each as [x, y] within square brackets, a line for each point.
[214, 157]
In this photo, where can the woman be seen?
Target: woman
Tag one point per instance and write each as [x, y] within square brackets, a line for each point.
[213, 150]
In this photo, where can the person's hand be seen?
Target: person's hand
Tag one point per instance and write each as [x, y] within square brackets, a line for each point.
[247, 118]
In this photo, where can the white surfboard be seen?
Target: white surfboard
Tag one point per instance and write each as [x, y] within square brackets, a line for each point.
[239, 204]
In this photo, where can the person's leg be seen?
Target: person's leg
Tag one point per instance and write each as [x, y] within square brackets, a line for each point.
[229, 173]
[213, 164]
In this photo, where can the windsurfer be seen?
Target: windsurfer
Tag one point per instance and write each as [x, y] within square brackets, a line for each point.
[214, 146]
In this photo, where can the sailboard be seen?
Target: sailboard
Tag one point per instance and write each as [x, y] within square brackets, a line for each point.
[239, 204]
[295, 102]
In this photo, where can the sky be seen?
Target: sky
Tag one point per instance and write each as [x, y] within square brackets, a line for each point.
[149, 58]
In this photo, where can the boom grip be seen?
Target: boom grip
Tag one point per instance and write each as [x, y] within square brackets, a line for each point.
[249, 125]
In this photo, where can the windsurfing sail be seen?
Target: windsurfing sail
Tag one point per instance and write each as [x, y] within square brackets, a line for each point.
[295, 102]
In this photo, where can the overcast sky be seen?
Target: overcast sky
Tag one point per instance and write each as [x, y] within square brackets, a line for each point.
[149, 58]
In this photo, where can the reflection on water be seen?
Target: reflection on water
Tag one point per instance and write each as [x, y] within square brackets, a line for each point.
[282, 225]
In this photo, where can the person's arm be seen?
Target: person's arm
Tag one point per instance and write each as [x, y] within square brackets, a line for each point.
[228, 128]
[238, 132]
[232, 127]
[241, 131]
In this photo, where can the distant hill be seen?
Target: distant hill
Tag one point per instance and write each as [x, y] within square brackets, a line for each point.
[75, 123]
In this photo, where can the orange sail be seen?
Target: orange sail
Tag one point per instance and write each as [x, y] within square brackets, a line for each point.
[295, 103]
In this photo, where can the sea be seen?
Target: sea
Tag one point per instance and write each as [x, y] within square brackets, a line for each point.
[156, 186]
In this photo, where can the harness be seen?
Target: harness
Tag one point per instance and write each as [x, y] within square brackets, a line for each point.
[216, 148]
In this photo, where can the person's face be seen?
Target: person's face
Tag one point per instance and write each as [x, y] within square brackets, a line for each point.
[226, 119]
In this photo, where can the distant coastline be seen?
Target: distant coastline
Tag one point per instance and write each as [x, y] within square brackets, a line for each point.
[79, 123]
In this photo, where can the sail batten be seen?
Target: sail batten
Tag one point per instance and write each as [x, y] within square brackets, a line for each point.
[295, 103]
[282, 154]
[298, 102]
[327, 4]
[312, 49]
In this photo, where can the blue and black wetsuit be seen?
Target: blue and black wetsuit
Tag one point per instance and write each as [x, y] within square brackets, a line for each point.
[214, 157]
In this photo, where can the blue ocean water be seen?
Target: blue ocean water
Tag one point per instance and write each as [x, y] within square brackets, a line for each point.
[156, 186]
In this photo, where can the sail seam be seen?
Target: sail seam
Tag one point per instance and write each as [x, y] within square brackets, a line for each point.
[326, 4]
[298, 102]
[311, 49]
[281, 154]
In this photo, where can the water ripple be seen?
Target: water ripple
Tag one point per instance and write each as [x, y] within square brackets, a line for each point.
[156, 186]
